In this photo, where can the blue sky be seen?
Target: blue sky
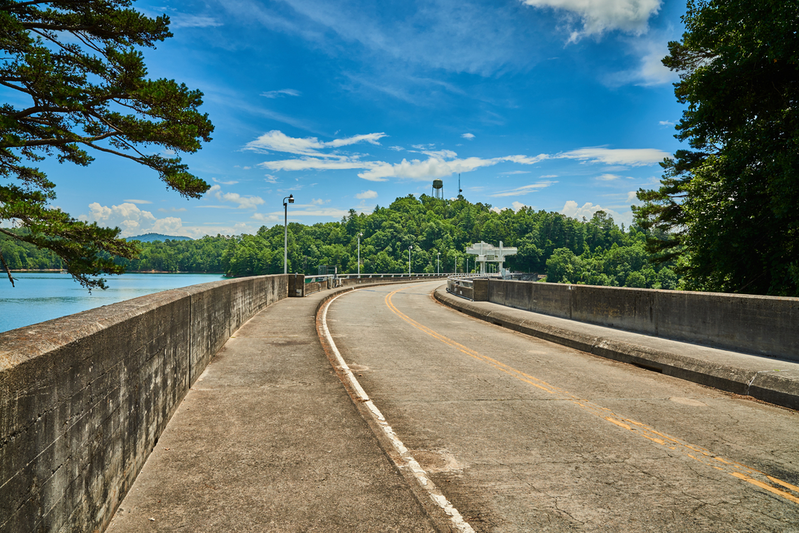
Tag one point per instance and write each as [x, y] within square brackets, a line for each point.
[561, 105]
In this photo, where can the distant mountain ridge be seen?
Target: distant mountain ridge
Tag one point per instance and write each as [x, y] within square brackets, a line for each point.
[151, 237]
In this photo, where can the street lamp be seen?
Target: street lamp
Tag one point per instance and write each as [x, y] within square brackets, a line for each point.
[438, 263]
[290, 198]
[409, 259]
[359, 254]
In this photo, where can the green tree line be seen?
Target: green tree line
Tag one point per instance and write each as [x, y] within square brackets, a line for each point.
[566, 250]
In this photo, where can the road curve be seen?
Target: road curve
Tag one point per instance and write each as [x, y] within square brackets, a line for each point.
[520, 434]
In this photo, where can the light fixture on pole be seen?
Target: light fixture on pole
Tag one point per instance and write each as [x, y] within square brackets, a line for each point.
[438, 263]
[359, 254]
[409, 259]
[290, 199]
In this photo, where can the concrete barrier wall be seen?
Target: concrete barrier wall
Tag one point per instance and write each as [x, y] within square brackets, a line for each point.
[373, 279]
[84, 398]
[763, 325]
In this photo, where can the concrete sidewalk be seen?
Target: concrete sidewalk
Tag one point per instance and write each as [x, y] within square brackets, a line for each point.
[772, 380]
[268, 439]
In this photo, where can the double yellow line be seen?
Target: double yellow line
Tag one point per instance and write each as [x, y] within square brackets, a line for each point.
[743, 472]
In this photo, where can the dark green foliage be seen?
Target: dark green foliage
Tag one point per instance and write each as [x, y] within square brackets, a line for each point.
[594, 252]
[78, 66]
[730, 201]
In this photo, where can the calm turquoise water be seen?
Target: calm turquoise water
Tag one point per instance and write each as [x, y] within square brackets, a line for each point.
[43, 296]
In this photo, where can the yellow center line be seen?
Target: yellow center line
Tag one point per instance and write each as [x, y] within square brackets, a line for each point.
[704, 456]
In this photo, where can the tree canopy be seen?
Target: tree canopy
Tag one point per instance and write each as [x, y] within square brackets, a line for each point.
[730, 201]
[78, 67]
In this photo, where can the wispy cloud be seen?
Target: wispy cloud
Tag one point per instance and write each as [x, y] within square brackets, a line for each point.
[650, 70]
[618, 156]
[365, 195]
[468, 136]
[526, 189]
[182, 20]
[277, 141]
[232, 182]
[242, 202]
[280, 93]
[599, 16]
[139, 202]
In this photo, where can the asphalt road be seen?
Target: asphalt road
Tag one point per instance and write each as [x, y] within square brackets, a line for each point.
[525, 435]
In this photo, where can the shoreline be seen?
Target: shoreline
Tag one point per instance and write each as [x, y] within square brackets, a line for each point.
[62, 271]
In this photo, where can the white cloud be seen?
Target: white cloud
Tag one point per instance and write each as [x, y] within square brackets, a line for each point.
[172, 210]
[277, 141]
[468, 136]
[608, 177]
[526, 189]
[281, 92]
[517, 206]
[650, 70]
[599, 16]
[139, 202]
[244, 202]
[621, 156]
[666, 123]
[181, 20]
[365, 195]
[314, 163]
[270, 178]
[396, 148]
[132, 220]
[224, 182]
[632, 198]
[572, 209]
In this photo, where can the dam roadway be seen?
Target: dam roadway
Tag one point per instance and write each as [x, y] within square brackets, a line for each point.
[518, 434]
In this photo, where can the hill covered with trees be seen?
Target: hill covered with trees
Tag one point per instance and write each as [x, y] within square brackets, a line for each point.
[566, 250]
[592, 251]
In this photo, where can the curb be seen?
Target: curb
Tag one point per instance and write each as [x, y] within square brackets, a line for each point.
[770, 387]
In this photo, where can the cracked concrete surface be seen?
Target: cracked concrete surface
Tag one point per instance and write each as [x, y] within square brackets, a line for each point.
[554, 439]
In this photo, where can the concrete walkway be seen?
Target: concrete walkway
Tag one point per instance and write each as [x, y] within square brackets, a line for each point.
[772, 380]
[268, 440]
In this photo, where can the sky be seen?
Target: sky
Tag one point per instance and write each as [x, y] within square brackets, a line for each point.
[561, 105]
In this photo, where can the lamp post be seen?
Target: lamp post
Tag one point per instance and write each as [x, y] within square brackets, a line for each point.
[290, 198]
[409, 259]
[438, 263]
[359, 254]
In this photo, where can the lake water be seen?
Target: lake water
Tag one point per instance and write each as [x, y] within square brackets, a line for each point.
[40, 296]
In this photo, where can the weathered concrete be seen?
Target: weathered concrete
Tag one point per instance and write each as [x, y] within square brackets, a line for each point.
[367, 279]
[763, 325]
[523, 435]
[84, 398]
[269, 440]
[772, 380]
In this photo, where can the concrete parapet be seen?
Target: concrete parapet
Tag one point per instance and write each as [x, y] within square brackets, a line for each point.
[367, 279]
[84, 398]
[762, 325]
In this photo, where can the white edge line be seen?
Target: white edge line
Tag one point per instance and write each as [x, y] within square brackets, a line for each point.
[408, 461]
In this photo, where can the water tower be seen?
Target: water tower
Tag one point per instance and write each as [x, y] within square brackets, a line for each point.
[438, 189]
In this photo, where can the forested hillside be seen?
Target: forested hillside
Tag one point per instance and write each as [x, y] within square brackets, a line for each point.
[594, 251]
